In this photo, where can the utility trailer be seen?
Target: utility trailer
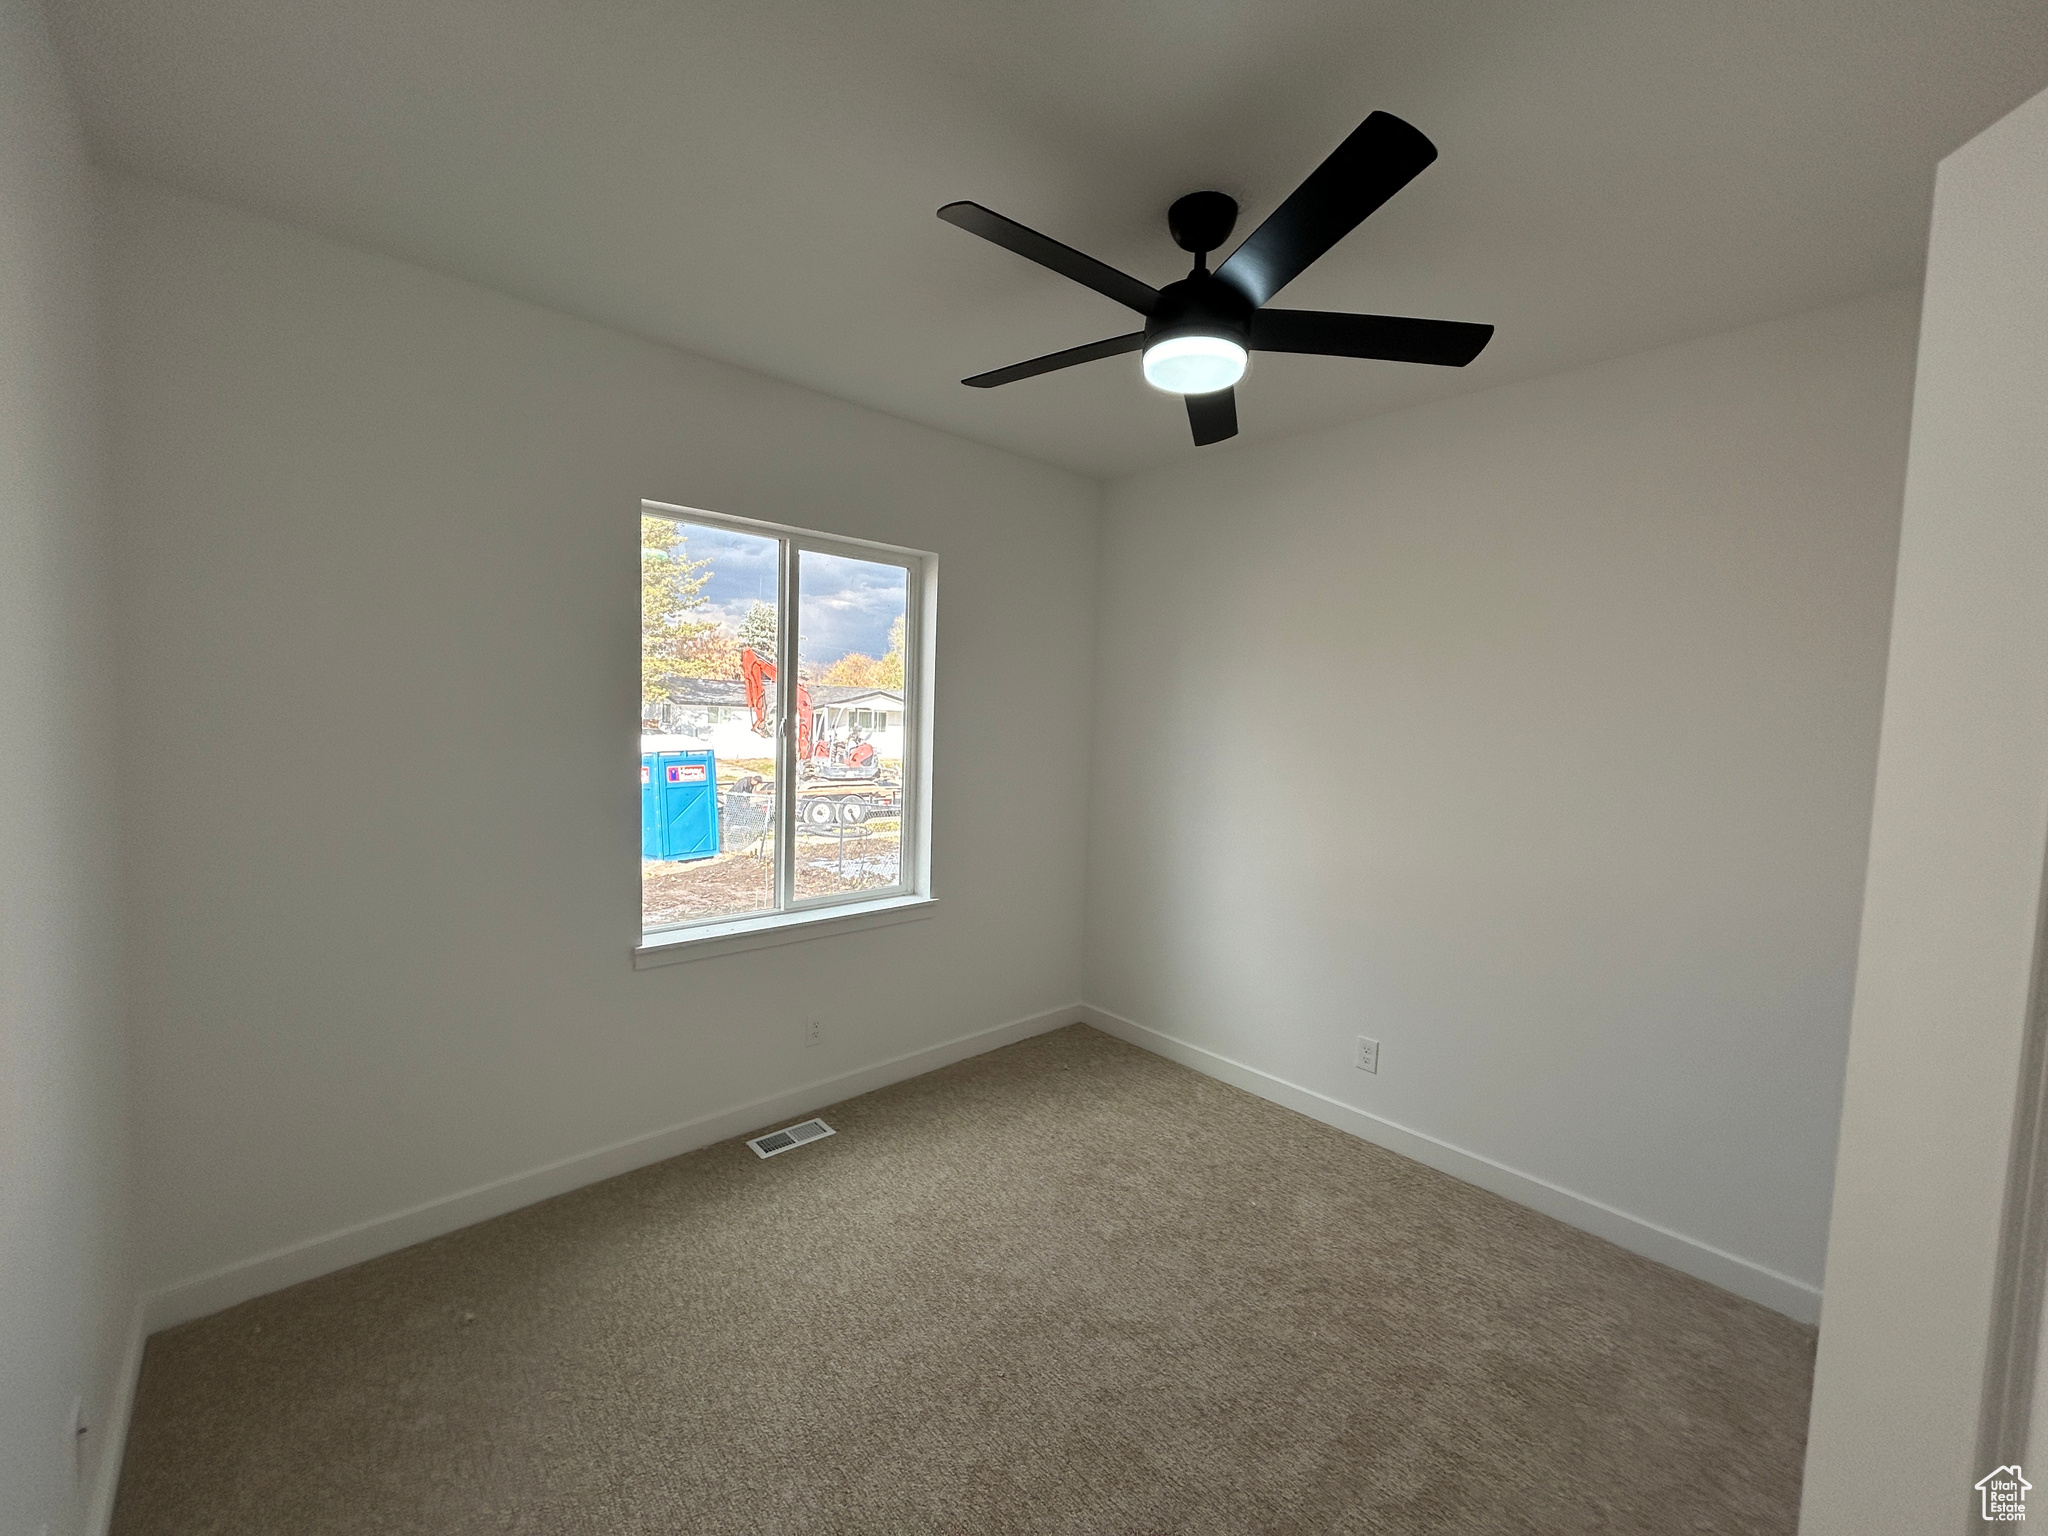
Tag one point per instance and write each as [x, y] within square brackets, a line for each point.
[745, 805]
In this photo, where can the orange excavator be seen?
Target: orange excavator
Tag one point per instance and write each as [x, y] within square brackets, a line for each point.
[839, 780]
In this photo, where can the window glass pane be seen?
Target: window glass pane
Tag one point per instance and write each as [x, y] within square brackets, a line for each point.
[850, 637]
[708, 600]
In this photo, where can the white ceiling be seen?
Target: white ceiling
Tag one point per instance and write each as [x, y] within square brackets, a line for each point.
[755, 180]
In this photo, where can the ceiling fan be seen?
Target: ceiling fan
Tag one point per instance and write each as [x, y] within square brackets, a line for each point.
[1199, 331]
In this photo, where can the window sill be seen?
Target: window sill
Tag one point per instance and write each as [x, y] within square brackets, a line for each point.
[781, 928]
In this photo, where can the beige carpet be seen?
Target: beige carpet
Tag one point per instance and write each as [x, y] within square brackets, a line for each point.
[1064, 1287]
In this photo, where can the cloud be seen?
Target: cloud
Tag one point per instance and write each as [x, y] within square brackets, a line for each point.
[848, 605]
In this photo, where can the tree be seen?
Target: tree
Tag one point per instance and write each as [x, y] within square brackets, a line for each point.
[672, 644]
[713, 654]
[892, 660]
[857, 670]
[853, 670]
[757, 630]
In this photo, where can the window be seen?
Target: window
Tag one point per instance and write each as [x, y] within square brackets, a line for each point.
[748, 827]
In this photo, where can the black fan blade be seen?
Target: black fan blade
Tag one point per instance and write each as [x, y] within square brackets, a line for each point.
[1048, 252]
[1447, 343]
[1054, 361]
[1213, 416]
[1381, 157]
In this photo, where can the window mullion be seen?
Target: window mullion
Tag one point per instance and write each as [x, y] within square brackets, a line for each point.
[910, 823]
[786, 735]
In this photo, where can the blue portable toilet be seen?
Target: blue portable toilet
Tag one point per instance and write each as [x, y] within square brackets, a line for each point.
[650, 810]
[678, 800]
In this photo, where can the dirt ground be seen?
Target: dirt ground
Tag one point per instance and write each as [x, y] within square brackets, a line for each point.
[733, 884]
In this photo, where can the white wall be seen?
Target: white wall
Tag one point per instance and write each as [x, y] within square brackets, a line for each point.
[384, 960]
[1582, 678]
[1956, 854]
[64, 1289]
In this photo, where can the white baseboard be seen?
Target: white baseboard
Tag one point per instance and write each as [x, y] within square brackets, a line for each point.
[106, 1476]
[266, 1272]
[1781, 1293]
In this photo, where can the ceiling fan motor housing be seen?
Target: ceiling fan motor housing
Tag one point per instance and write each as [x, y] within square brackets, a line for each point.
[1200, 305]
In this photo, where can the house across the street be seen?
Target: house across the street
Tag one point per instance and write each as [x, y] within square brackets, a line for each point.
[713, 711]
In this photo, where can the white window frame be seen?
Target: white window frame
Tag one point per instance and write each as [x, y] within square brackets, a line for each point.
[792, 918]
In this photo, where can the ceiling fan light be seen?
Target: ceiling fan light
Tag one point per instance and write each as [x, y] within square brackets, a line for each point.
[1194, 365]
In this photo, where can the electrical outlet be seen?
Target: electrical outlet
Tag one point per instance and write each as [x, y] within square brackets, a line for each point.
[1368, 1055]
[814, 1032]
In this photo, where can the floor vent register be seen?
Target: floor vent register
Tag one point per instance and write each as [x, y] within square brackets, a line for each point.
[790, 1137]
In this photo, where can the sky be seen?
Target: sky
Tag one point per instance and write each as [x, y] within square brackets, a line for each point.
[848, 605]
